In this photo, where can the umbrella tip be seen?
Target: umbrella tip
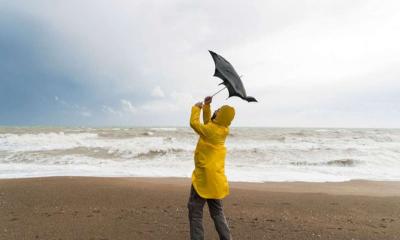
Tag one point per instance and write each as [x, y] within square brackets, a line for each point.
[251, 99]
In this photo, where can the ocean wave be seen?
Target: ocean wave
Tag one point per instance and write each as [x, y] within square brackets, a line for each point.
[159, 152]
[336, 163]
[258, 154]
[149, 133]
[44, 141]
[163, 129]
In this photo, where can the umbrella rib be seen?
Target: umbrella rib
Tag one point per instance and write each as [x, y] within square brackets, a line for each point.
[218, 92]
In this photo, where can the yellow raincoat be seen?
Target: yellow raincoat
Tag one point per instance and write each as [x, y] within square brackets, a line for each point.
[208, 177]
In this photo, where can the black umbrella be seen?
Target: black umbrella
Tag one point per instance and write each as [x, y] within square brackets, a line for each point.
[231, 80]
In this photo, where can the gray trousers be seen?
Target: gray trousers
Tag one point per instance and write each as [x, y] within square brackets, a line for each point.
[195, 206]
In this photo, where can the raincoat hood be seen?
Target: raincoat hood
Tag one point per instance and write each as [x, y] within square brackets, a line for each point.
[225, 116]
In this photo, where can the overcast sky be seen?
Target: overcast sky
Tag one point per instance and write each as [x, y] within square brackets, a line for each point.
[99, 63]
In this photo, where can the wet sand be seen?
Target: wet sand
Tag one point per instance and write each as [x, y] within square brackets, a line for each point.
[155, 208]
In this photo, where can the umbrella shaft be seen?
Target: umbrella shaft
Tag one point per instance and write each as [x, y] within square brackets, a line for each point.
[218, 92]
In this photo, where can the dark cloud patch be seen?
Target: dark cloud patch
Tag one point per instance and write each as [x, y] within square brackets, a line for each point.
[41, 83]
[29, 78]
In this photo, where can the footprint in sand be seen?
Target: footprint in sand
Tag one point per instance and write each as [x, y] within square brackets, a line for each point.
[387, 220]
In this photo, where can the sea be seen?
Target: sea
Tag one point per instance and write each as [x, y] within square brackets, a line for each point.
[254, 154]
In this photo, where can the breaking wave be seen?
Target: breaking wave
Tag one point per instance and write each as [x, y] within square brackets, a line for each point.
[337, 163]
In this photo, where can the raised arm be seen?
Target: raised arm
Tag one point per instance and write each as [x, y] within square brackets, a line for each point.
[199, 128]
[207, 110]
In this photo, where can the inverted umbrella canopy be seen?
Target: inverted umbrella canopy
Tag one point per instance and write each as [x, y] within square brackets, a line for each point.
[225, 71]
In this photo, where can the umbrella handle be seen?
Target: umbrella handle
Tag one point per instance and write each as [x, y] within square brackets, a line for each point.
[218, 92]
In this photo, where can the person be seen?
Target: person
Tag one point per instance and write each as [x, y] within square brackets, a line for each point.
[209, 183]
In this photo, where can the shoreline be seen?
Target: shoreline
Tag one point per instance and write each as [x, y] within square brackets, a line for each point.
[155, 208]
[359, 187]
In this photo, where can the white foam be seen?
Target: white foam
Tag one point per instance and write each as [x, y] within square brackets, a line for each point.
[164, 129]
[60, 141]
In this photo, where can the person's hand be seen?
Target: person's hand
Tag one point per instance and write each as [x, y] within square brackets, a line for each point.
[208, 100]
[199, 104]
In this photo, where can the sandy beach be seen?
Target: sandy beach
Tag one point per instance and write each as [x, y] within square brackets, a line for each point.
[155, 208]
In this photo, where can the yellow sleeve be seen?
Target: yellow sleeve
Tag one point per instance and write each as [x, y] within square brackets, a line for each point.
[206, 113]
[199, 128]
